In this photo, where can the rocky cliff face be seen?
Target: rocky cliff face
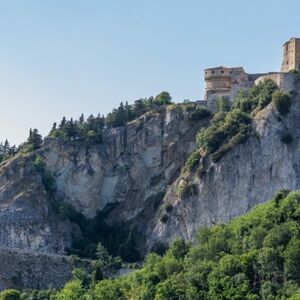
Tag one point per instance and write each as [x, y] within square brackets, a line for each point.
[124, 179]
[27, 219]
[245, 176]
[137, 171]
[133, 165]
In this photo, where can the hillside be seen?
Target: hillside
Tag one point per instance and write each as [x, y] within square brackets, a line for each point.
[141, 177]
[256, 256]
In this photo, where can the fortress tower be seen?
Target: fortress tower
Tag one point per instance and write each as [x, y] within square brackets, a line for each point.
[291, 55]
[221, 81]
[227, 82]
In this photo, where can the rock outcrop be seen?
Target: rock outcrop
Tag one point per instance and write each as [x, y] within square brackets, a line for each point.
[27, 218]
[125, 177]
[128, 179]
[245, 176]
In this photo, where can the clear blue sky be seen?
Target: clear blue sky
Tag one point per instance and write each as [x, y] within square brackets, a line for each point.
[64, 57]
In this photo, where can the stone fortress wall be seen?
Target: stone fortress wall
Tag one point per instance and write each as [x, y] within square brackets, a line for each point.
[291, 55]
[227, 82]
[285, 81]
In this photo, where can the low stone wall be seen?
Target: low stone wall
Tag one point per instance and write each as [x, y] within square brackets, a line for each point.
[24, 270]
[285, 81]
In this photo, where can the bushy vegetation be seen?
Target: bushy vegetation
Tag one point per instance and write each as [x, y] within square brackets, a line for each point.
[10, 295]
[186, 190]
[257, 97]
[282, 101]
[256, 256]
[47, 178]
[200, 113]
[7, 151]
[226, 130]
[193, 160]
[33, 142]
[164, 211]
[91, 130]
[119, 240]
[231, 125]
[294, 71]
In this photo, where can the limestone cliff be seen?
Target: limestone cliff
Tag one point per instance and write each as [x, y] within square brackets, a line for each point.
[129, 179]
[27, 219]
[125, 177]
[245, 176]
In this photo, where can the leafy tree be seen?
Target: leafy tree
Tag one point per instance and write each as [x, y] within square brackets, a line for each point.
[108, 290]
[282, 101]
[255, 256]
[10, 295]
[200, 113]
[73, 290]
[34, 139]
[292, 260]
[223, 104]
[163, 98]
[33, 142]
[7, 151]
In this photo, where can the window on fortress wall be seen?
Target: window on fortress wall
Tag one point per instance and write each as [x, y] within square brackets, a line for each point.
[287, 62]
[222, 72]
[212, 72]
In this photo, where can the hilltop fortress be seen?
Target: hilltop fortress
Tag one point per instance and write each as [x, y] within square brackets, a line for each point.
[226, 82]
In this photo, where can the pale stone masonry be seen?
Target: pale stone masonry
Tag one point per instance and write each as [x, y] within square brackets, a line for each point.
[291, 55]
[227, 82]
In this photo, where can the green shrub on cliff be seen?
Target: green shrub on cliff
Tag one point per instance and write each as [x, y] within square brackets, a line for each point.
[193, 160]
[231, 125]
[200, 113]
[232, 130]
[47, 178]
[7, 151]
[10, 295]
[282, 101]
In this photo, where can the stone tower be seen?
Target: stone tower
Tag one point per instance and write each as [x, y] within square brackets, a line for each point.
[291, 55]
[222, 81]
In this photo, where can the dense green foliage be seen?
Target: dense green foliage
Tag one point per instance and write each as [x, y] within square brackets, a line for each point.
[10, 295]
[186, 190]
[256, 256]
[226, 130]
[164, 211]
[119, 240]
[257, 97]
[47, 178]
[34, 141]
[231, 125]
[200, 113]
[91, 130]
[193, 160]
[282, 101]
[7, 151]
